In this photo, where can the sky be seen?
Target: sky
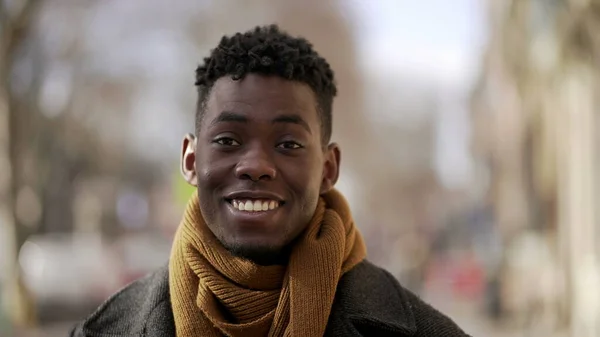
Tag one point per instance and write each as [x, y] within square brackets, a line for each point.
[438, 41]
[437, 38]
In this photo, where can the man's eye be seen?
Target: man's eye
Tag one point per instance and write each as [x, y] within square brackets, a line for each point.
[289, 145]
[225, 141]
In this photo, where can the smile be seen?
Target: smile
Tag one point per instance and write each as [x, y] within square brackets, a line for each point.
[254, 205]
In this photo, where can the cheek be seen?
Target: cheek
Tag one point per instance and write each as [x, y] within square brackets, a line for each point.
[211, 170]
[303, 176]
[211, 178]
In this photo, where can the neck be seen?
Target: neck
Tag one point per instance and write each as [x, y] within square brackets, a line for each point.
[262, 256]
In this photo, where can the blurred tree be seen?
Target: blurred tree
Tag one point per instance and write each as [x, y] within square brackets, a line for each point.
[15, 25]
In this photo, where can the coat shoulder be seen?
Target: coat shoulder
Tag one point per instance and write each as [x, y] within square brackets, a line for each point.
[430, 321]
[383, 300]
[128, 311]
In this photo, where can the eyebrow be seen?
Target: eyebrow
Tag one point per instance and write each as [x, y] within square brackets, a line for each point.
[292, 119]
[229, 116]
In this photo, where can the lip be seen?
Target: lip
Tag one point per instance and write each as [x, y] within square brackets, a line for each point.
[254, 194]
[254, 220]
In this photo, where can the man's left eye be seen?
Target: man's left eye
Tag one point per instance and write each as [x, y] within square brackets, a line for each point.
[289, 145]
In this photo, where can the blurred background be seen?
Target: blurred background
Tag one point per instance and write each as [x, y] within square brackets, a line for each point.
[469, 131]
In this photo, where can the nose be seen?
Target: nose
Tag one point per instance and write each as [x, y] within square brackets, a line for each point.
[255, 165]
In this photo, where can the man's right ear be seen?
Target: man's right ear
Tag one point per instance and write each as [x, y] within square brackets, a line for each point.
[188, 159]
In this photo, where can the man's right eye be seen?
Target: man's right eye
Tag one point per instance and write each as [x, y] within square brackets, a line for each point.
[226, 141]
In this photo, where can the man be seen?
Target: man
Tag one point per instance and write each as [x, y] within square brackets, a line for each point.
[267, 246]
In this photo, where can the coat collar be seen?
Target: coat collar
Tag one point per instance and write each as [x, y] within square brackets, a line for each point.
[369, 301]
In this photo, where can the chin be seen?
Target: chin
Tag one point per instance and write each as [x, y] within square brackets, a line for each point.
[260, 253]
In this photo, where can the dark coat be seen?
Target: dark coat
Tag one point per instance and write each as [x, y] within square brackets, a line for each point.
[369, 302]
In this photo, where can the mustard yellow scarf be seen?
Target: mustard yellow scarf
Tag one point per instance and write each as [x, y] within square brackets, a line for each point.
[214, 293]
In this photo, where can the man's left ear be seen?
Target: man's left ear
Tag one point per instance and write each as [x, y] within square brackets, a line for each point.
[331, 167]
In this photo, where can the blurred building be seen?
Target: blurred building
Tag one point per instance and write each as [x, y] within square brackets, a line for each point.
[535, 113]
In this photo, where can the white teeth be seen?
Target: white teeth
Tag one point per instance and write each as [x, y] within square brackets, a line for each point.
[255, 205]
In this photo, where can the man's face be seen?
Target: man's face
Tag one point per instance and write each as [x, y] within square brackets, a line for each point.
[260, 165]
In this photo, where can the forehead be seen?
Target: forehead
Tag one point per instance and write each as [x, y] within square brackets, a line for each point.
[262, 96]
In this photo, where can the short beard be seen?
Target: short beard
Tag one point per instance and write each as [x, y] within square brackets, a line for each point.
[261, 255]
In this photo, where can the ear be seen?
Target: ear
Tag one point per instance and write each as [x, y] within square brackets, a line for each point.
[331, 167]
[188, 159]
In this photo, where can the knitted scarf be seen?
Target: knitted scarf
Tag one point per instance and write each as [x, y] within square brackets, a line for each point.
[214, 293]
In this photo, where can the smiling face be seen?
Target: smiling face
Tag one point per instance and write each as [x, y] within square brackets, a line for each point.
[259, 164]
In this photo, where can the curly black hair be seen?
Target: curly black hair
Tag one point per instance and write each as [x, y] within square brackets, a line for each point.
[268, 50]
